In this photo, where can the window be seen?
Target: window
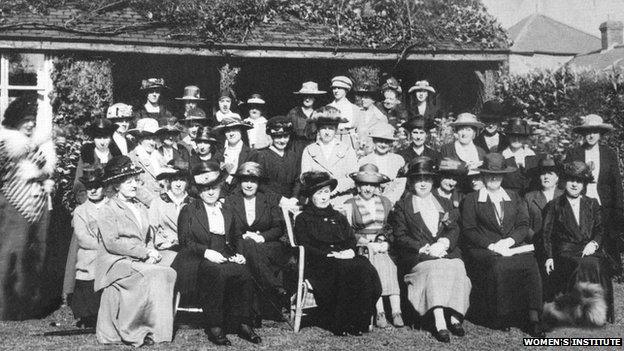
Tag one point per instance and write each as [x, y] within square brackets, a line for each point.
[24, 74]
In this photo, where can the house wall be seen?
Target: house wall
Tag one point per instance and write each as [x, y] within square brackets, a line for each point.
[522, 64]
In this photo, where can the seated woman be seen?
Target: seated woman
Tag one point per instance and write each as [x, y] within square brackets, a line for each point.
[346, 286]
[237, 150]
[205, 147]
[209, 264]
[451, 173]
[85, 301]
[369, 212]
[506, 283]
[425, 239]
[164, 210]
[573, 232]
[137, 299]
[259, 227]
[547, 172]
[169, 148]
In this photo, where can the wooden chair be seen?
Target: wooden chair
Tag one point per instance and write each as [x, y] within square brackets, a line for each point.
[176, 306]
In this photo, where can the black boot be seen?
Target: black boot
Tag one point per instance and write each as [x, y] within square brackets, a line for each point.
[217, 336]
[246, 332]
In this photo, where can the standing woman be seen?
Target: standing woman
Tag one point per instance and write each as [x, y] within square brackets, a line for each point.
[425, 239]
[237, 150]
[330, 155]
[146, 157]
[206, 147]
[506, 285]
[164, 210]
[137, 298]
[491, 139]
[304, 131]
[27, 161]
[519, 155]
[573, 234]
[153, 89]
[209, 263]
[607, 184]
[418, 130]
[169, 148]
[422, 101]
[346, 286]
[121, 115]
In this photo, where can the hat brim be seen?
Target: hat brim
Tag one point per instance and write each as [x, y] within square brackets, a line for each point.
[117, 177]
[487, 117]
[209, 141]
[220, 179]
[172, 175]
[249, 176]
[317, 92]
[322, 120]
[162, 87]
[452, 172]
[141, 133]
[383, 137]
[162, 132]
[477, 125]
[420, 173]
[333, 183]
[369, 177]
[602, 128]
[223, 128]
[202, 120]
[188, 98]
[505, 170]
[427, 89]
[91, 184]
[101, 132]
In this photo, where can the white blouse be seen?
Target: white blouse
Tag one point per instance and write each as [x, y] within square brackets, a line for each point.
[429, 212]
[216, 223]
[250, 210]
[467, 153]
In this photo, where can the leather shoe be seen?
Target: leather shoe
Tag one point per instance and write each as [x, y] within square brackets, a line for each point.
[352, 330]
[535, 330]
[216, 335]
[246, 332]
[457, 329]
[442, 335]
[148, 341]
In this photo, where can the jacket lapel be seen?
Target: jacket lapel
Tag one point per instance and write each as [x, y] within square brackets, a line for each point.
[584, 217]
[261, 207]
[569, 221]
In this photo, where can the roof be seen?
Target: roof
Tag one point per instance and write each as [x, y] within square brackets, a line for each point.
[544, 35]
[129, 31]
[600, 60]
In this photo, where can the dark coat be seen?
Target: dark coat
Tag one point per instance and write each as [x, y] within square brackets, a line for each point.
[282, 171]
[195, 238]
[195, 161]
[536, 203]
[161, 116]
[503, 142]
[303, 130]
[131, 143]
[410, 233]
[480, 227]
[246, 154]
[269, 222]
[180, 153]
[524, 178]
[432, 111]
[397, 115]
[409, 154]
[448, 150]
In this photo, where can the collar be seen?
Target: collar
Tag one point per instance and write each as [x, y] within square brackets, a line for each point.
[238, 146]
[524, 151]
[166, 197]
[417, 149]
[501, 193]
[572, 201]
[278, 152]
[419, 203]
[140, 151]
[470, 146]
[444, 194]
[151, 109]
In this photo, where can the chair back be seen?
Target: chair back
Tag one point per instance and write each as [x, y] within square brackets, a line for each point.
[290, 214]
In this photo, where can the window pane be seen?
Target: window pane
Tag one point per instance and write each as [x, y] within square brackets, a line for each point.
[23, 68]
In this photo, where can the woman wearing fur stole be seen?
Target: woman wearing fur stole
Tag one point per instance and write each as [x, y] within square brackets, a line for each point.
[27, 161]
[575, 261]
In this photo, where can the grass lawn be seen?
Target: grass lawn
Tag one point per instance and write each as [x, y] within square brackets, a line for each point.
[277, 336]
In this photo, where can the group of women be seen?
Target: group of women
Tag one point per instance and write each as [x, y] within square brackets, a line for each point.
[460, 232]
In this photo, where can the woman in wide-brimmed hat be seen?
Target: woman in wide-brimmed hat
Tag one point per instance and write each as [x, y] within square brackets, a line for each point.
[210, 264]
[506, 285]
[425, 238]
[328, 154]
[451, 174]
[259, 228]
[491, 139]
[191, 98]
[147, 158]
[346, 285]
[607, 185]
[305, 132]
[206, 147]
[137, 290]
[256, 107]
[195, 119]
[369, 117]
[519, 154]
[422, 101]
[164, 210]
[369, 215]
[389, 163]
[121, 114]
[153, 107]
[418, 130]
[466, 127]
[96, 153]
[169, 148]
[576, 262]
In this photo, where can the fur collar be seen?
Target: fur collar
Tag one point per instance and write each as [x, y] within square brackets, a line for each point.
[17, 146]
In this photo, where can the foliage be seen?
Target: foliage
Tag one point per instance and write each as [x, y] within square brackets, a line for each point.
[73, 108]
[228, 80]
[364, 77]
[390, 24]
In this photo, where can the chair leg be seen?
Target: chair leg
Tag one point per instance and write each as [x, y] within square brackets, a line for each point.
[176, 304]
[302, 292]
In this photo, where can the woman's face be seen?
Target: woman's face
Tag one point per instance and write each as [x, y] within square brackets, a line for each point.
[419, 136]
[153, 95]
[476, 182]
[493, 181]
[168, 140]
[122, 126]
[149, 144]
[382, 146]
[233, 135]
[102, 143]
[225, 104]
[549, 180]
[421, 95]
[339, 93]
[178, 186]
[591, 139]
[448, 184]
[280, 141]
[423, 185]
[367, 101]
[327, 132]
[95, 194]
[308, 101]
[366, 191]
[210, 194]
[321, 197]
[255, 113]
[249, 186]
[203, 148]
[492, 127]
[192, 130]
[465, 134]
[189, 105]
[573, 188]
[128, 188]
[390, 99]
[27, 128]
[517, 141]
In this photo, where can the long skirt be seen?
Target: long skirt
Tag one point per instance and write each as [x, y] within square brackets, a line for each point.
[85, 302]
[503, 287]
[345, 290]
[69, 279]
[137, 306]
[439, 283]
[387, 270]
[22, 255]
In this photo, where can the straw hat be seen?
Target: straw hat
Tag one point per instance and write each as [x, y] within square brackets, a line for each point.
[146, 127]
[593, 123]
[191, 93]
[255, 99]
[309, 88]
[369, 174]
[118, 168]
[391, 83]
[452, 167]
[195, 115]
[153, 83]
[279, 125]
[230, 122]
[494, 163]
[467, 119]
[208, 174]
[342, 82]
[313, 181]
[384, 131]
[327, 115]
[119, 111]
[421, 85]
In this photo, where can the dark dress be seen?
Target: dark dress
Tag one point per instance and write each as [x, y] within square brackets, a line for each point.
[304, 132]
[524, 178]
[564, 241]
[180, 153]
[282, 171]
[503, 143]
[195, 161]
[345, 290]
[409, 154]
[502, 286]
[611, 200]
[161, 116]
[223, 290]
[397, 115]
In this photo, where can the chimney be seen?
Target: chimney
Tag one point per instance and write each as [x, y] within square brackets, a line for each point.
[612, 34]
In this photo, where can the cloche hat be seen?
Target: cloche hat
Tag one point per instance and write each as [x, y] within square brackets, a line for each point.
[313, 181]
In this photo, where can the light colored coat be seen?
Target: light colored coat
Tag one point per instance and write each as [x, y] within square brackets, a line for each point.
[87, 235]
[150, 187]
[339, 165]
